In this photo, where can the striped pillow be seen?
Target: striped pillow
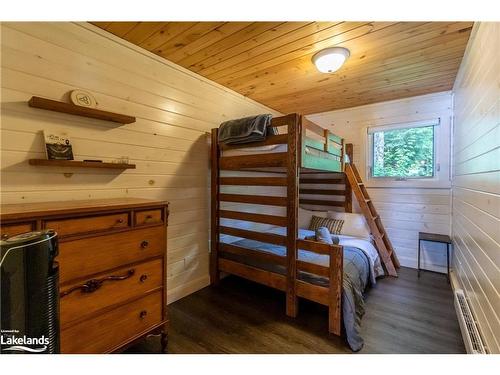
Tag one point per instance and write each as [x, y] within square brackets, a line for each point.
[333, 225]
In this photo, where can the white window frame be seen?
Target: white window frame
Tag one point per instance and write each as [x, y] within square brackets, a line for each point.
[441, 175]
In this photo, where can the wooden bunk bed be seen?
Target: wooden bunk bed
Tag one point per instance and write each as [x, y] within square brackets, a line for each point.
[297, 158]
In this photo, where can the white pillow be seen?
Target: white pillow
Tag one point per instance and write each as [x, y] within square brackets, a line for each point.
[305, 217]
[354, 224]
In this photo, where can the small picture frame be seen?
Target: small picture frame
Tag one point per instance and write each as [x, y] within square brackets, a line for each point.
[58, 146]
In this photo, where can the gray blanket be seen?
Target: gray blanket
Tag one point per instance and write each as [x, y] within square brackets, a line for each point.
[245, 130]
[356, 278]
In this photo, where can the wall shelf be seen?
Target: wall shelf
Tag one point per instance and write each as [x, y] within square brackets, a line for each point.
[57, 106]
[79, 164]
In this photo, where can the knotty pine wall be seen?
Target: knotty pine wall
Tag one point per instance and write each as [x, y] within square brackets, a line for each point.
[476, 179]
[174, 109]
[406, 207]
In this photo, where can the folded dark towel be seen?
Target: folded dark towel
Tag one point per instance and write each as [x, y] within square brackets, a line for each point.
[245, 130]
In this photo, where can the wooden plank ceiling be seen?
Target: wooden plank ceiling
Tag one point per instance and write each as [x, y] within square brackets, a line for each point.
[270, 62]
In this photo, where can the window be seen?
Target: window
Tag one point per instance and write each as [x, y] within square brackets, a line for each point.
[403, 151]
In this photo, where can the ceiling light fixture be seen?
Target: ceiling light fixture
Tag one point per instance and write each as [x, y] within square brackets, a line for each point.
[331, 59]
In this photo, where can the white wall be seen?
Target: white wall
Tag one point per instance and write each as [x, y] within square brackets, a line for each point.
[476, 179]
[406, 207]
[174, 109]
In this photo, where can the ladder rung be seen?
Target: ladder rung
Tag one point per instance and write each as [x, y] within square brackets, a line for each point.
[375, 217]
[360, 183]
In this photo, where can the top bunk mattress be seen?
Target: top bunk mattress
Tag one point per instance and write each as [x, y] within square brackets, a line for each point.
[277, 148]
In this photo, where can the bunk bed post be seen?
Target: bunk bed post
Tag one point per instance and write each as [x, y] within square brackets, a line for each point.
[326, 134]
[214, 210]
[348, 150]
[294, 134]
[335, 290]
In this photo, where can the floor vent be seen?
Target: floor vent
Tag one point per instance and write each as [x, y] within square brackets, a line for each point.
[468, 326]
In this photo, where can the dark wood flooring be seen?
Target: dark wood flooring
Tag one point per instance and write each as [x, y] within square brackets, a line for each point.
[403, 315]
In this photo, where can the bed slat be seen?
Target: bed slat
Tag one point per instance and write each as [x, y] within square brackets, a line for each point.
[315, 202]
[313, 268]
[253, 254]
[322, 192]
[256, 218]
[276, 159]
[253, 181]
[270, 140]
[272, 238]
[274, 280]
[253, 199]
[317, 247]
[312, 292]
[335, 181]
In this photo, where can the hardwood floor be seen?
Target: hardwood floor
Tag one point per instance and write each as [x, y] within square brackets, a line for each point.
[403, 315]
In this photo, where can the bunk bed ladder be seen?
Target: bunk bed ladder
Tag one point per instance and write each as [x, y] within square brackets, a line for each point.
[382, 242]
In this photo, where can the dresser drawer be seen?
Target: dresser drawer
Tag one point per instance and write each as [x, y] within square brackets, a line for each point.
[66, 227]
[83, 299]
[148, 217]
[9, 230]
[88, 256]
[108, 331]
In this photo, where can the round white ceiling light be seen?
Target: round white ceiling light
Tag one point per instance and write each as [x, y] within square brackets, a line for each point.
[331, 59]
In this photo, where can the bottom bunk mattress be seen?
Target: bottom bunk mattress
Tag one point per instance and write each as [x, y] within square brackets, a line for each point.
[358, 272]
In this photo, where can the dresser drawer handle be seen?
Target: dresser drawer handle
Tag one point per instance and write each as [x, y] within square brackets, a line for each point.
[143, 278]
[144, 244]
[149, 217]
[92, 285]
[143, 314]
[120, 221]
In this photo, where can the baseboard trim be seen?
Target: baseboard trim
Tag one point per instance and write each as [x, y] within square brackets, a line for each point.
[454, 281]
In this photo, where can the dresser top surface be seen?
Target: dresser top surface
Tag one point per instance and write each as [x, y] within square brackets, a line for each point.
[32, 210]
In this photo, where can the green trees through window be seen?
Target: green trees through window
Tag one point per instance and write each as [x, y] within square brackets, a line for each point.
[405, 152]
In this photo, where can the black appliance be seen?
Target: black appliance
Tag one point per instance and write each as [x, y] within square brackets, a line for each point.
[29, 293]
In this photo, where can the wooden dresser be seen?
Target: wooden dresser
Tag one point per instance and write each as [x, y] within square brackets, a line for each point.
[112, 261]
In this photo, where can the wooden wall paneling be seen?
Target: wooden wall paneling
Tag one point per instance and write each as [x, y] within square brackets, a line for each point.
[59, 34]
[174, 110]
[405, 208]
[475, 185]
